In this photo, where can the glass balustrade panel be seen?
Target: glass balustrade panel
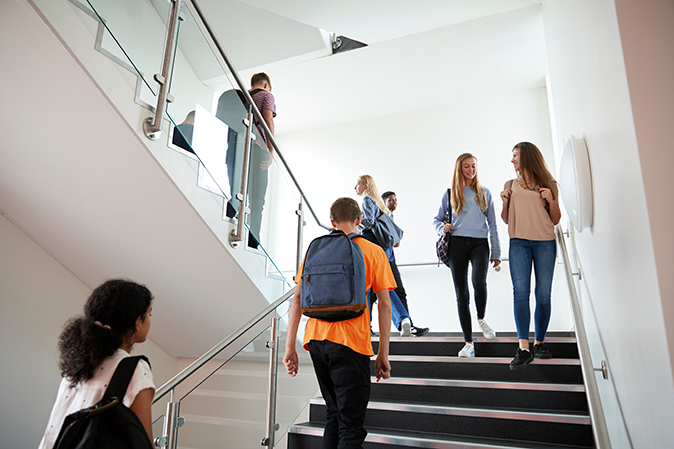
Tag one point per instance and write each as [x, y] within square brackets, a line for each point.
[206, 115]
[293, 393]
[227, 406]
[134, 35]
[202, 84]
[158, 426]
[273, 220]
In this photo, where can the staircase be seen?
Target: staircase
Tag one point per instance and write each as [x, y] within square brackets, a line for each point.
[435, 399]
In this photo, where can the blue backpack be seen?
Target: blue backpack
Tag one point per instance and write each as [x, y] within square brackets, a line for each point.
[333, 278]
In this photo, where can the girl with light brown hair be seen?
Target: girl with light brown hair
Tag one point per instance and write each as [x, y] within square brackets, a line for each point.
[531, 210]
[473, 220]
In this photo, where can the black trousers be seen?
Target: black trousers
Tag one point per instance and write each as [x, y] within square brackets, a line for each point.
[400, 290]
[344, 378]
[464, 250]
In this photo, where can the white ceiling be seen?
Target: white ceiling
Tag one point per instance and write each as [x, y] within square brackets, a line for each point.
[420, 54]
[381, 20]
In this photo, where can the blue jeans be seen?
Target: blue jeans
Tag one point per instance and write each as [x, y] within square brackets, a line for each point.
[543, 255]
[398, 312]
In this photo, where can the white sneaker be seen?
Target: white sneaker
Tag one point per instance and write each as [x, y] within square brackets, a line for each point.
[467, 351]
[406, 328]
[486, 330]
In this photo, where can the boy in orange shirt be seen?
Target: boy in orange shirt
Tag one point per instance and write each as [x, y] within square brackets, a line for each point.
[341, 350]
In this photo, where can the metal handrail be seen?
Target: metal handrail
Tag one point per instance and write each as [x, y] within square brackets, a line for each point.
[599, 429]
[215, 350]
[255, 110]
[152, 125]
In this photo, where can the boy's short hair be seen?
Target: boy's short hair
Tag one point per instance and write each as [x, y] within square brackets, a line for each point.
[345, 210]
[386, 194]
[259, 78]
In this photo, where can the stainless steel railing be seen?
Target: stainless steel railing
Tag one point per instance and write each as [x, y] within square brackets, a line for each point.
[168, 439]
[161, 102]
[599, 429]
[215, 350]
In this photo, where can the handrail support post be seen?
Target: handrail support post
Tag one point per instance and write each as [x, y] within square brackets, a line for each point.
[236, 236]
[272, 344]
[169, 438]
[300, 233]
[152, 125]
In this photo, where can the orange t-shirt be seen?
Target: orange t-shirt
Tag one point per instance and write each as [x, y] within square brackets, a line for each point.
[354, 333]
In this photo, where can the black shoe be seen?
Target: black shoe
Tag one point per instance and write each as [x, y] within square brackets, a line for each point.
[418, 331]
[542, 352]
[521, 360]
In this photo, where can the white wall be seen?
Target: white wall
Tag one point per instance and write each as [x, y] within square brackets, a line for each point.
[413, 154]
[591, 96]
[37, 295]
[652, 98]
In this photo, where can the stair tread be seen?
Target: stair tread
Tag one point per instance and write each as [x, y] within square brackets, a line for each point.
[522, 414]
[422, 439]
[468, 383]
[503, 336]
[456, 359]
[451, 339]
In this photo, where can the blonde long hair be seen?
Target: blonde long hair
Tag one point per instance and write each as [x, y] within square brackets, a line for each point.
[372, 191]
[459, 184]
[533, 165]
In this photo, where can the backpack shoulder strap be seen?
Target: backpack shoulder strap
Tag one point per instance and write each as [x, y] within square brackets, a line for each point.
[449, 204]
[354, 235]
[123, 374]
[510, 186]
[254, 91]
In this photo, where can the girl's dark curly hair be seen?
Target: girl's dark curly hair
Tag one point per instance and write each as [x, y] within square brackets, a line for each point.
[110, 312]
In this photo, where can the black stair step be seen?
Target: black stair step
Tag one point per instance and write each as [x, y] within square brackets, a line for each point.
[561, 347]
[514, 395]
[564, 371]
[309, 436]
[531, 426]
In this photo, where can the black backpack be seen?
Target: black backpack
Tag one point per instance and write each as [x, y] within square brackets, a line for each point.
[333, 278]
[108, 424]
[233, 107]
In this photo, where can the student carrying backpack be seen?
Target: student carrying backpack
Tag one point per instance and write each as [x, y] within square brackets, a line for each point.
[333, 278]
[96, 367]
[108, 424]
[233, 107]
[341, 350]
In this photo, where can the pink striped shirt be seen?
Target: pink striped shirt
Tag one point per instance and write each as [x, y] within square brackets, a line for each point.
[264, 100]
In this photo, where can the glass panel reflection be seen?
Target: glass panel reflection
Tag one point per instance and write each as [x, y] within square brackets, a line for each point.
[135, 33]
[207, 113]
[229, 407]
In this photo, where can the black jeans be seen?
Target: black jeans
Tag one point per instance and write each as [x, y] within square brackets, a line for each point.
[344, 378]
[463, 250]
[400, 290]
